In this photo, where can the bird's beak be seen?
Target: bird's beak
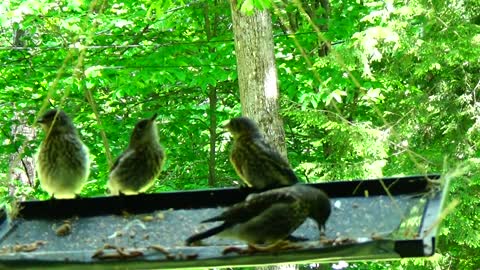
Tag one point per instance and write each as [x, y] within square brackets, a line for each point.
[154, 116]
[40, 120]
[226, 124]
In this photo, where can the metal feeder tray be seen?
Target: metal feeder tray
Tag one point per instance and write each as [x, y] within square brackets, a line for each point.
[148, 231]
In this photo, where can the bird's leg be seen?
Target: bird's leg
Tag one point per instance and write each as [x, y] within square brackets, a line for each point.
[256, 248]
[279, 245]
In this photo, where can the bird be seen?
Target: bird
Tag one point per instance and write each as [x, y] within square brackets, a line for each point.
[63, 163]
[258, 164]
[270, 216]
[136, 169]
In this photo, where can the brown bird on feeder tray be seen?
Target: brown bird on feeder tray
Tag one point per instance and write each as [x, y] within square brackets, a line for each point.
[136, 169]
[62, 159]
[258, 164]
[270, 216]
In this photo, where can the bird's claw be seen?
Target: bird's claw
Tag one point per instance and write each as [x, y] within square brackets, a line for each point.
[255, 248]
[277, 246]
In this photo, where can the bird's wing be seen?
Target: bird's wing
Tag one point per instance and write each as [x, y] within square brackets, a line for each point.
[236, 162]
[254, 205]
[117, 161]
[120, 158]
[269, 152]
[272, 157]
[275, 223]
[240, 163]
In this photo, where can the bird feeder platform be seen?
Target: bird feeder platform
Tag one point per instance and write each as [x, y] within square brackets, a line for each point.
[375, 219]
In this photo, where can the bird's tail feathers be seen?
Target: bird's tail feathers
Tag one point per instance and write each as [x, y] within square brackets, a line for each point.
[292, 178]
[213, 219]
[205, 234]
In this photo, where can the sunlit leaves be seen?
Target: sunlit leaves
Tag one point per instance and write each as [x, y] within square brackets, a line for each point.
[373, 96]
[335, 95]
[120, 23]
[249, 6]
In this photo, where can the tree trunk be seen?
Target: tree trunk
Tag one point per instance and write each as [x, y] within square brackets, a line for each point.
[324, 45]
[21, 167]
[257, 74]
[213, 135]
[210, 31]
